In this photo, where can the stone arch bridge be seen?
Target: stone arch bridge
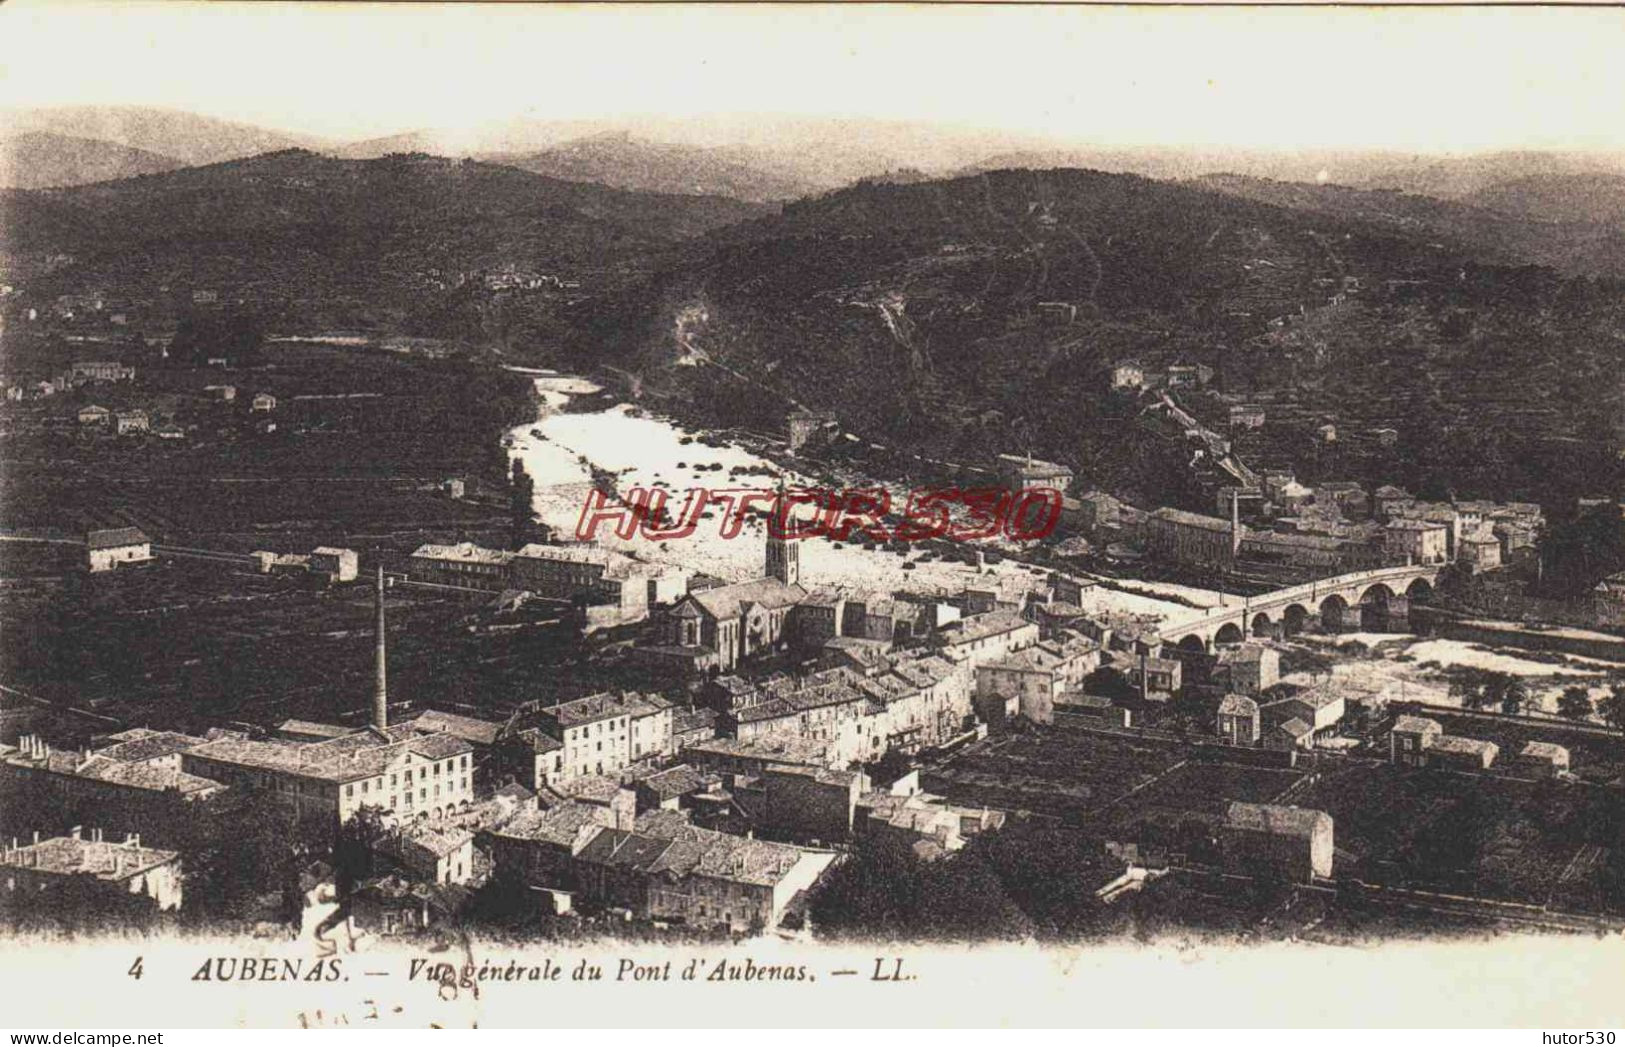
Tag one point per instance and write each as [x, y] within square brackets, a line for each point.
[1345, 602]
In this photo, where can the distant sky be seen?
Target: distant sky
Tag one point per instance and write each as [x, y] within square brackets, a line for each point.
[1411, 79]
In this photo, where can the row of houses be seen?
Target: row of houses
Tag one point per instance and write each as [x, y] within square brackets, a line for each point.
[1417, 741]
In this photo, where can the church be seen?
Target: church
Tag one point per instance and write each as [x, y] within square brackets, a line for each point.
[715, 629]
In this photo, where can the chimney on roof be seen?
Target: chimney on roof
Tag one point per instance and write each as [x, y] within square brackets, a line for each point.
[132, 840]
[380, 692]
[77, 832]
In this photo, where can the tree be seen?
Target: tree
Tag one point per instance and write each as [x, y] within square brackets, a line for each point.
[1612, 707]
[521, 490]
[1514, 698]
[873, 894]
[1574, 703]
[353, 848]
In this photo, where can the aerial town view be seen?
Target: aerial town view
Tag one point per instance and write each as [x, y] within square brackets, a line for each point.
[693, 529]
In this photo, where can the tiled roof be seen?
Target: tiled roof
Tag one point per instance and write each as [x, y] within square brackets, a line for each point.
[592, 788]
[687, 720]
[674, 781]
[982, 626]
[1237, 705]
[65, 855]
[468, 728]
[560, 826]
[605, 705]
[729, 601]
[155, 746]
[362, 754]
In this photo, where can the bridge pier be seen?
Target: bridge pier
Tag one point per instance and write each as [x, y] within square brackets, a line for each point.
[1397, 615]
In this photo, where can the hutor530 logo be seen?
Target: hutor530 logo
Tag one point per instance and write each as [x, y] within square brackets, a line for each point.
[957, 514]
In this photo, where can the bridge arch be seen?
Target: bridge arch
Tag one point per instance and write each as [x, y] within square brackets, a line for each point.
[1374, 606]
[1229, 633]
[1192, 642]
[1333, 612]
[1261, 625]
[1420, 590]
[1294, 619]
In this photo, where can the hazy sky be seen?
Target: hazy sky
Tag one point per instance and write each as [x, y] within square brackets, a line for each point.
[1414, 79]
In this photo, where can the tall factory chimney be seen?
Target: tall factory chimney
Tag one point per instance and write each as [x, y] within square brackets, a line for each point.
[380, 691]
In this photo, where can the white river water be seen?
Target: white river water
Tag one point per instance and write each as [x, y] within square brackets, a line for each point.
[645, 450]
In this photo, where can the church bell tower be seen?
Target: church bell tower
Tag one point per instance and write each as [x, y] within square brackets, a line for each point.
[783, 554]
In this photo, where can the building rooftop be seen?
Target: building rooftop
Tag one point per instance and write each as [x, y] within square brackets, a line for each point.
[1185, 519]
[69, 855]
[1277, 819]
[1417, 725]
[563, 825]
[730, 601]
[116, 538]
[366, 753]
[769, 750]
[1545, 751]
[153, 745]
[1237, 705]
[468, 728]
[1408, 523]
[312, 729]
[1032, 468]
[983, 626]
[604, 706]
[464, 552]
[674, 781]
[1455, 743]
[1243, 654]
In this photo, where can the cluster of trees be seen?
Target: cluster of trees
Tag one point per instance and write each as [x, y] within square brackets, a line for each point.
[1493, 691]
[1579, 548]
[1576, 703]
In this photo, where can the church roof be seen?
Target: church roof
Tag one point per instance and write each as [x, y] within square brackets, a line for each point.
[730, 601]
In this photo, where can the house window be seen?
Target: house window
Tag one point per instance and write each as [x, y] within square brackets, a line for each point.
[349, 790]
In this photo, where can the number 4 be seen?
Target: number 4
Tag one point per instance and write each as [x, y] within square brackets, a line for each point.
[135, 969]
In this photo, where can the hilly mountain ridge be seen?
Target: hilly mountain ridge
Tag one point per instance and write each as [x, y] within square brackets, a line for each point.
[981, 315]
[283, 223]
[622, 161]
[39, 159]
[186, 138]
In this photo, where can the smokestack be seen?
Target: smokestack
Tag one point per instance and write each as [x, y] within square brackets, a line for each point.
[380, 692]
[1235, 522]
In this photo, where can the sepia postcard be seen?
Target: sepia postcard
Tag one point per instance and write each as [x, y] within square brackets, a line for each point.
[546, 516]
